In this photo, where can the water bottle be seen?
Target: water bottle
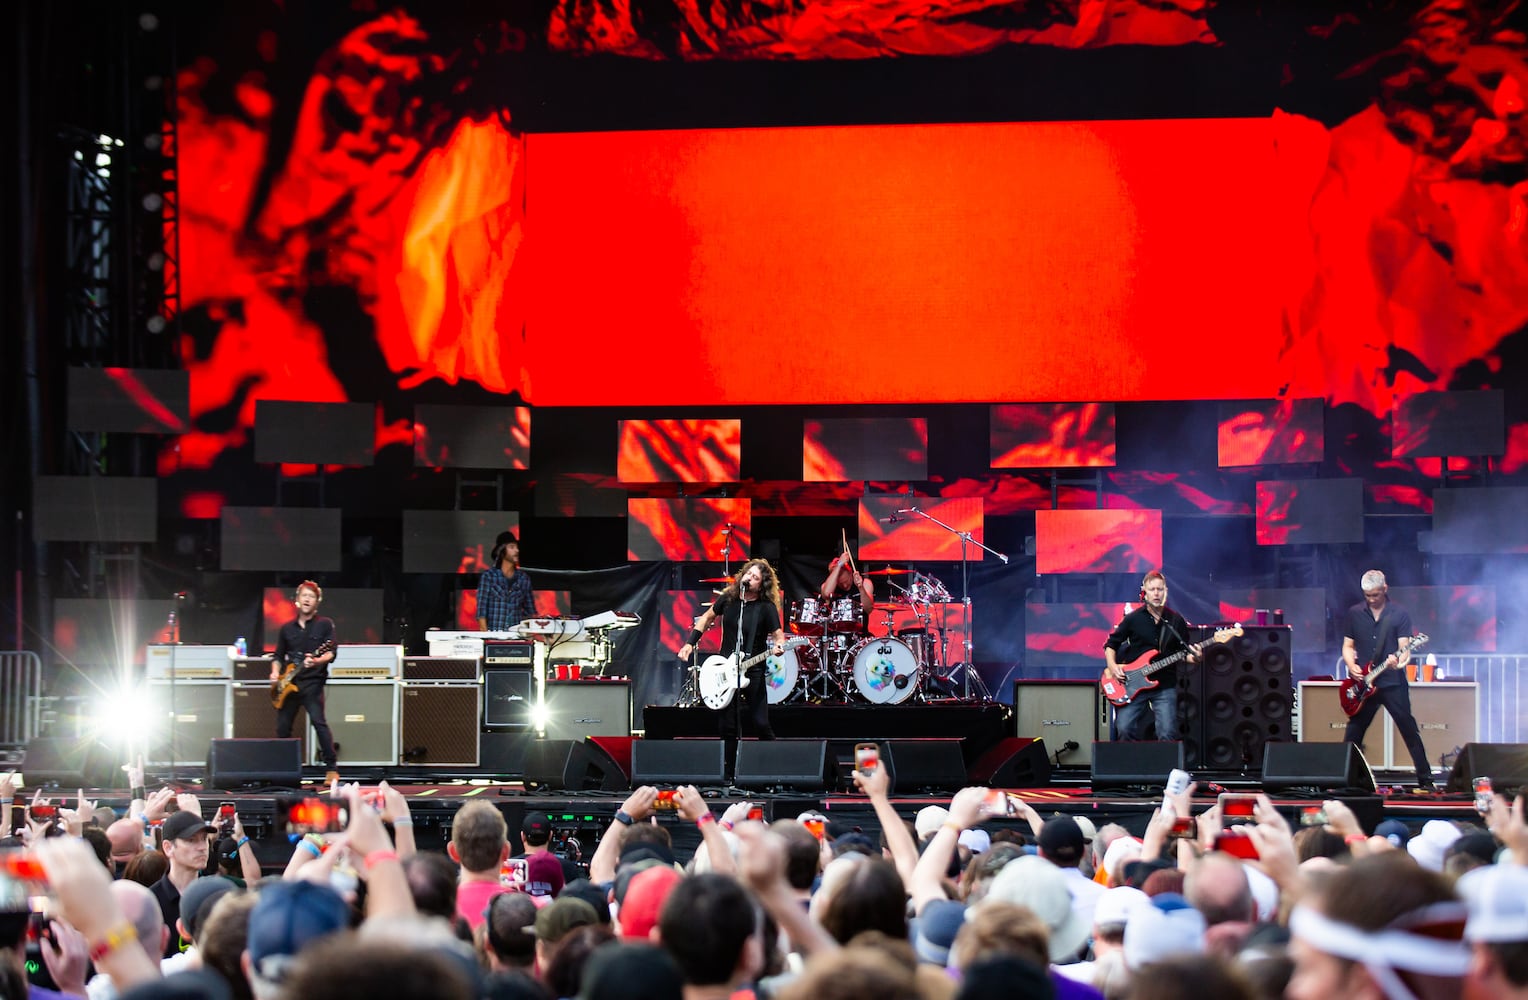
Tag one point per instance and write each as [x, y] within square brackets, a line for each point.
[240, 647]
[1177, 784]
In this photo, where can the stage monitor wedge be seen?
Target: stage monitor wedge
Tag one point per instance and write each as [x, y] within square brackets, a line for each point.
[1334, 766]
[238, 763]
[1506, 764]
[1135, 765]
[798, 764]
[667, 763]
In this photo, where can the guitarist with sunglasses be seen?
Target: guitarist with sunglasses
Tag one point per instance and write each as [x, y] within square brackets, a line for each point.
[1377, 631]
[307, 644]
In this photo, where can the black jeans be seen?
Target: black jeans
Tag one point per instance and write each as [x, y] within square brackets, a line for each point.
[1396, 699]
[311, 698]
[750, 711]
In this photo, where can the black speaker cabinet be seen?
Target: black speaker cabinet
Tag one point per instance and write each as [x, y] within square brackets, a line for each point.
[677, 762]
[438, 723]
[798, 764]
[1248, 697]
[236, 763]
[1014, 763]
[574, 765]
[1118, 765]
[508, 694]
[200, 710]
[1061, 712]
[576, 709]
[1316, 765]
[1506, 764]
[546, 763]
[934, 764]
[363, 716]
[254, 717]
[69, 764]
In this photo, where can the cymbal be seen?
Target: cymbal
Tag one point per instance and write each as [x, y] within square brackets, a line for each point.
[888, 571]
[891, 605]
[716, 579]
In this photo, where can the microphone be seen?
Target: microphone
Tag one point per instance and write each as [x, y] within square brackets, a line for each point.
[891, 520]
[181, 595]
[728, 529]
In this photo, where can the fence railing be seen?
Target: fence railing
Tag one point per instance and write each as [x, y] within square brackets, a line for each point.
[1500, 676]
[20, 695]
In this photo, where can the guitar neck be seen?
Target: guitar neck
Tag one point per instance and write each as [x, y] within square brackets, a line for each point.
[1164, 662]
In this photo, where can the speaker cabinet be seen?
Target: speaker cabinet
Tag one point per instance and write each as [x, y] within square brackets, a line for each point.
[798, 764]
[1061, 712]
[69, 764]
[508, 694]
[677, 762]
[363, 716]
[1337, 766]
[1447, 715]
[254, 717]
[1014, 763]
[574, 765]
[1121, 765]
[1506, 764]
[439, 724]
[502, 754]
[1248, 696]
[201, 715]
[236, 763]
[546, 763]
[933, 764]
[576, 709]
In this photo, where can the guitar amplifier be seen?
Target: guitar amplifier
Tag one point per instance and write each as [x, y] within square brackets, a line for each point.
[366, 661]
[518, 653]
[439, 723]
[363, 716]
[1447, 715]
[200, 709]
[188, 662]
[440, 668]
[254, 717]
[252, 669]
[576, 709]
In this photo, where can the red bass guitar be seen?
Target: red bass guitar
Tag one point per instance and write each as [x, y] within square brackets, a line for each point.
[1139, 670]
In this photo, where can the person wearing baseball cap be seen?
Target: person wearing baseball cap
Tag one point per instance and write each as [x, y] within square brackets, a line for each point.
[1497, 929]
[1063, 844]
[536, 838]
[184, 838]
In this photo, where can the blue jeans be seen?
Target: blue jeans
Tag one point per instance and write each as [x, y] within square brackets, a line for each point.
[1160, 703]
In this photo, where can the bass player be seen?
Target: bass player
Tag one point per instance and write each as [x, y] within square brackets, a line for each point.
[1375, 631]
[749, 608]
[307, 642]
[1152, 626]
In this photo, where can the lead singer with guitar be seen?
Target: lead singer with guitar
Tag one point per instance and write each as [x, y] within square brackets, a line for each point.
[1375, 631]
[1152, 626]
[750, 606]
[300, 639]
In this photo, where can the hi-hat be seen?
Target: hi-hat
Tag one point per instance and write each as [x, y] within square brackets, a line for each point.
[888, 571]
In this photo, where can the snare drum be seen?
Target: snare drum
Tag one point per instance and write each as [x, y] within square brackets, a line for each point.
[809, 616]
[781, 674]
[845, 615]
[885, 671]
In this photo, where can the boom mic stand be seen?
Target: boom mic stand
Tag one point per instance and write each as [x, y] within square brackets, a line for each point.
[965, 594]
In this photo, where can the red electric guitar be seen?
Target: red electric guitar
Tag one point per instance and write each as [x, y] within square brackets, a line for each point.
[1139, 670]
[1354, 691]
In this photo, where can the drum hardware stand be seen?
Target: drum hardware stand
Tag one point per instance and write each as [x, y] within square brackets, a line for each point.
[967, 667]
[827, 669]
[689, 691]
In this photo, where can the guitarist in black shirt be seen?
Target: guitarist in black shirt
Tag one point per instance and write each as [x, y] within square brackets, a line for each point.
[307, 643]
[1152, 626]
[1375, 631]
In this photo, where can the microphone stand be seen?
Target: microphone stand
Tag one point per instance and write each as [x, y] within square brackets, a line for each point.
[965, 595]
[174, 626]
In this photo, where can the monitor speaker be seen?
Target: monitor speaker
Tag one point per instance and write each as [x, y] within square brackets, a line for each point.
[799, 764]
[1014, 763]
[508, 694]
[677, 762]
[235, 763]
[1336, 766]
[69, 764]
[1147, 763]
[575, 709]
[573, 765]
[1506, 764]
[933, 764]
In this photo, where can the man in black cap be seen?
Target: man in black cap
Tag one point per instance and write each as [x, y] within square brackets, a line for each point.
[536, 838]
[504, 594]
[1063, 844]
[184, 840]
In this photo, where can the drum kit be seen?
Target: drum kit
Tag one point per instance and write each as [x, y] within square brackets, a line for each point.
[844, 663]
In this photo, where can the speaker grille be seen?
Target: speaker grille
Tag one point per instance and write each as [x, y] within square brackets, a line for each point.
[201, 716]
[254, 717]
[439, 724]
[363, 715]
[1248, 698]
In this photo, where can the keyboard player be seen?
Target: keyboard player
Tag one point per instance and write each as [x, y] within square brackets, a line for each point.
[504, 595]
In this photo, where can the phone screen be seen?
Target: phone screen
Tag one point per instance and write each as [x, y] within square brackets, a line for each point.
[316, 815]
[756, 814]
[867, 757]
[1238, 845]
[665, 799]
[44, 811]
[1236, 808]
[225, 811]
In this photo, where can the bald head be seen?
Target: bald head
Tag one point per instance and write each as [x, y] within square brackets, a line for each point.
[1217, 887]
[126, 839]
[141, 909]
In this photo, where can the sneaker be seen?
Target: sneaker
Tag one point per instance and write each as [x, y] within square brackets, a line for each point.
[331, 778]
[1426, 788]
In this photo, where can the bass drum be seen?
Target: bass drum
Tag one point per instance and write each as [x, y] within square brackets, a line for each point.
[885, 671]
[782, 673]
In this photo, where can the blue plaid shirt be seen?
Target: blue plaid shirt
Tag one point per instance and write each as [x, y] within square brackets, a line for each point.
[504, 602]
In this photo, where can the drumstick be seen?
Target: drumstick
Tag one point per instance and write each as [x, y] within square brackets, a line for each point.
[847, 554]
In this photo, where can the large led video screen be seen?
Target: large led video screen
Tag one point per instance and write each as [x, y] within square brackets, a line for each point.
[1098, 541]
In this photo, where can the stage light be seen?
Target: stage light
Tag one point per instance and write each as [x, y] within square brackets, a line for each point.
[152, 201]
[148, 21]
[129, 717]
[155, 324]
[540, 716]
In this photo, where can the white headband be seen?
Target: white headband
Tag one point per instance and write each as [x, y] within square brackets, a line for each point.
[1388, 949]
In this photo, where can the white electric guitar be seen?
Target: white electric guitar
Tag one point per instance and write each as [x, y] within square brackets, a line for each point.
[721, 677]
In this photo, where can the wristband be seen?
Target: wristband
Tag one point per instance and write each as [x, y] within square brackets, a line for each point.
[114, 939]
[725, 824]
[377, 857]
[139, 792]
[403, 821]
[1355, 838]
[694, 639]
[317, 852]
[704, 818]
[623, 817]
[241, 843]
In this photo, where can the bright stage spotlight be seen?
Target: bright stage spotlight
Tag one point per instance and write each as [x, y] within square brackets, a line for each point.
[126, 719]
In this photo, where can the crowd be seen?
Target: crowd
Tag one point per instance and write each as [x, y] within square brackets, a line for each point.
[799, 909]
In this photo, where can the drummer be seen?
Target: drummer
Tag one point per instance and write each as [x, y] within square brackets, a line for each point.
[843, 579]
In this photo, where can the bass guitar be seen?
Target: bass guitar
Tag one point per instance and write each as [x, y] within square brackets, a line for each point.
[286, 684]
[1354, 691]
[721, 677]
[1139, 670]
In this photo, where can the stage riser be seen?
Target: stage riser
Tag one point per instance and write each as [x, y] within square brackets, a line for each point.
[979, 727]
